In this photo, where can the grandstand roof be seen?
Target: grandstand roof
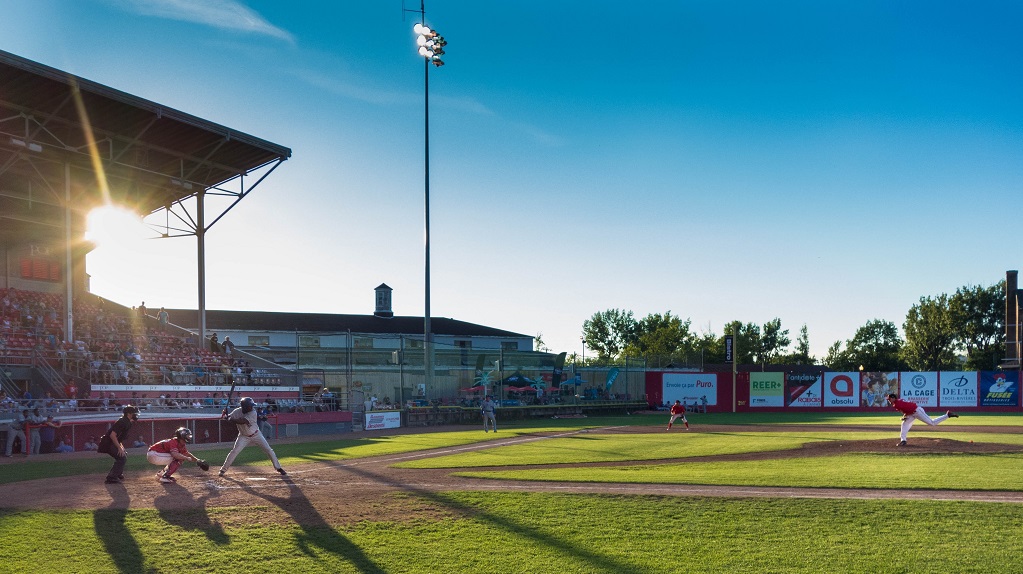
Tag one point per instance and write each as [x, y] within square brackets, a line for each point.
[330, 323]
[152, 155]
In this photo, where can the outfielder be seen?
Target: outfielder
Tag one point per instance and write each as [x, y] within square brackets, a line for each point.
[678, 410]
[170, 453]
[487, 409]
[911, 412]
[248, 432]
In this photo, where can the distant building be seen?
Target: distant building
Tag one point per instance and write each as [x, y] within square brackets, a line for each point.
[380, 352]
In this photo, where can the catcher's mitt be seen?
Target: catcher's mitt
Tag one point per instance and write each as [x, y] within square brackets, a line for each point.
[203, 464]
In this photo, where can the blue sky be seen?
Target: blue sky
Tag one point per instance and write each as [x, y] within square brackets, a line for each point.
[825, 163]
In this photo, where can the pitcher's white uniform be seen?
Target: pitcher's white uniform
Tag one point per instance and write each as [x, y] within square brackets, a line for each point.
[248, 433]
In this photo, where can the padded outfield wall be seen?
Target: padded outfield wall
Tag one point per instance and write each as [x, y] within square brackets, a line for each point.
[991, 391]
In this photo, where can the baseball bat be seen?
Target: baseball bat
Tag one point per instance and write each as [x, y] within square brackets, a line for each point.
[230, 394]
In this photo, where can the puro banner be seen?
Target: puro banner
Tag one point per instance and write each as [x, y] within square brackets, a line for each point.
[957, 388]
[840, 389]
[998, 389]
[766, 390]
[690, 387]
[920, 388]
[804, 390]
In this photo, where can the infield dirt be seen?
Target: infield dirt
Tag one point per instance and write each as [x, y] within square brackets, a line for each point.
[349, 491]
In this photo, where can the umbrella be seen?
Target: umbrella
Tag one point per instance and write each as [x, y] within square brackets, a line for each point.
[517, 379]
[475, 389]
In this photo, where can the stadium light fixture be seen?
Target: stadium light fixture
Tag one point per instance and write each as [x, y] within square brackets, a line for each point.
[30, 146]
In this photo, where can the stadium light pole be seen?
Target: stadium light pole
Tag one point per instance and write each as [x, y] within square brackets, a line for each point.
[431, 48]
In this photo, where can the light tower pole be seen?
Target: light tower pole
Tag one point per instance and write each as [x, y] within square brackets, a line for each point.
[431, 47]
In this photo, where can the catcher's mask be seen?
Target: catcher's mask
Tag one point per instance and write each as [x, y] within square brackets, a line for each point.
[130, 411]
[247, 404]
[183, 434]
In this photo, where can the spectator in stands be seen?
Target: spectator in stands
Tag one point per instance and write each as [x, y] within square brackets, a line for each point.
[139, 442]
[164, 318]
[200, 373]
[121, 371]
[262, 417]
[50, 403]
[72, 403]
[90, 444]
[106, 370]
[26, 399]
[214, 343]
[228, 345]
[6, 402]
[65, 446]
[209, 400]
[142, 311]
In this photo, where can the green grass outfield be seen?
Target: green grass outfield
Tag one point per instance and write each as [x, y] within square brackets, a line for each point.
[484, 532]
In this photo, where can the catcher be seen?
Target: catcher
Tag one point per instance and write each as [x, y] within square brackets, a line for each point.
[171, 453]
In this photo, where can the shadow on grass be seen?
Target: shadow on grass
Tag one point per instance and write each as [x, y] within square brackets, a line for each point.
[112, 531]
[597, 561]
[316, 531]
[177, 507]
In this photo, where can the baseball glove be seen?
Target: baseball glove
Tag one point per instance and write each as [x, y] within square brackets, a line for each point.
[203, 464]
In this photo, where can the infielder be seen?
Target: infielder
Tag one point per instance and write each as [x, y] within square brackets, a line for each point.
[487, 409]
[678, 410]
[170, 453]
[248, 432]
[911, 412]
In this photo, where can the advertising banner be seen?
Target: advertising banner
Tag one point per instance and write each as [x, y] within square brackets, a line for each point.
[840, 389]
[998, 389]
[920, 388]
[690, 387]
[958, 389]
[804, 390]
[383, 420]
[766, 389]
[874, 387]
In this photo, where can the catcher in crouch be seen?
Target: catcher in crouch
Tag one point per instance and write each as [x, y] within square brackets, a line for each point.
[248, 432]
[171, 452]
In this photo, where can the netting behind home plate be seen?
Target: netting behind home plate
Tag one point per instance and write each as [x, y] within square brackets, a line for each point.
[149, 430]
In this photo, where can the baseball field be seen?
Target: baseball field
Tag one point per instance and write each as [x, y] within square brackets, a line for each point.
[737, 493]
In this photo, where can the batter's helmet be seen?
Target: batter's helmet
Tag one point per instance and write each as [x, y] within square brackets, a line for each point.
[247, 404]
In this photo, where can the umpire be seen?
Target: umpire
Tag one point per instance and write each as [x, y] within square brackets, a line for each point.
[112, 443]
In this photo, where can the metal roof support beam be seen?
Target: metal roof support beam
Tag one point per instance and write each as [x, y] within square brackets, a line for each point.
[200, 235]
[69, 321]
